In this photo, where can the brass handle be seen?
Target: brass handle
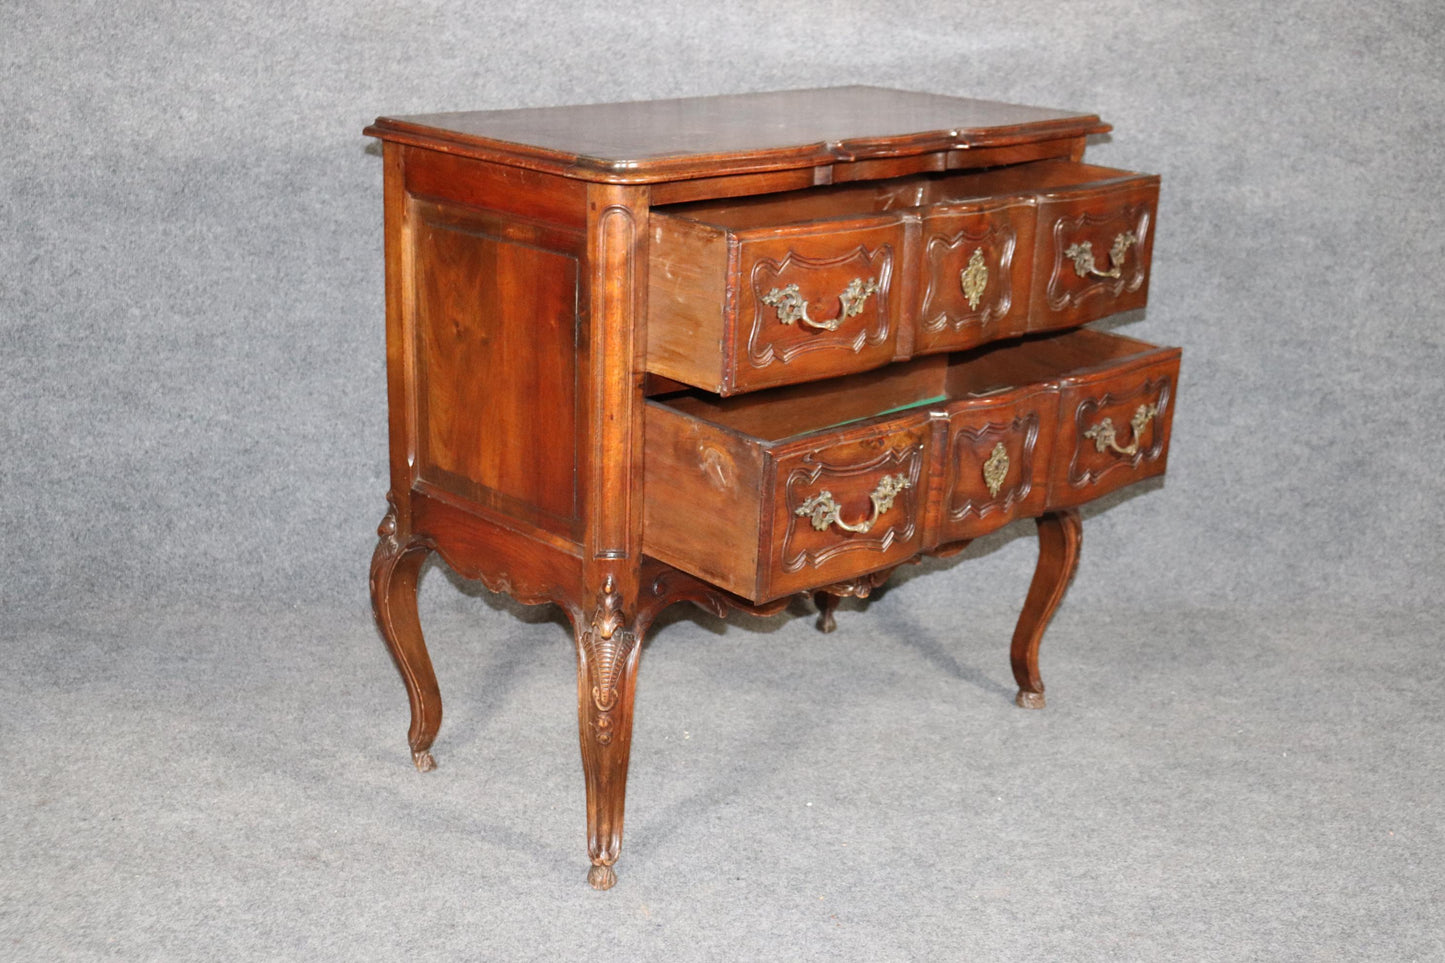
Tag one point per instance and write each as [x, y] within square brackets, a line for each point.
[793, 307]
[1082, 254]
[1103, 432]
[974, 279]
[825, 511]
[995, 470]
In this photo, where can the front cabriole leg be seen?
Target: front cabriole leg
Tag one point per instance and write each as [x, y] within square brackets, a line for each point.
[607, 658]
[1060, 535]
[394, 568]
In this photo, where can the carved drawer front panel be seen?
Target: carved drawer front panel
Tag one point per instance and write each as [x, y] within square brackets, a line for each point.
[1114, 426]
[997, 463]
[849, 505]
[1093, 250]
[976, 263]
[735, 308]
[793, 488]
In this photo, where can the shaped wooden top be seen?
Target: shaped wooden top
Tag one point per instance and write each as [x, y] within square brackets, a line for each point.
[662, 140]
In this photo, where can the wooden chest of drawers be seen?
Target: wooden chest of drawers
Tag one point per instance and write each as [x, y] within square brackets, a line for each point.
[728, 350]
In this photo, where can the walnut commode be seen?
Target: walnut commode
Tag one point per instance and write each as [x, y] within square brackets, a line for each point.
[731, 349]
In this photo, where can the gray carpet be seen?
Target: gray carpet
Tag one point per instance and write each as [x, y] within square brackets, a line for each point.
[1206, 784]
[202, 740]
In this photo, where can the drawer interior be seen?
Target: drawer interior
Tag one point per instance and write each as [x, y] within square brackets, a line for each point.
[897, 194]
[783, 413]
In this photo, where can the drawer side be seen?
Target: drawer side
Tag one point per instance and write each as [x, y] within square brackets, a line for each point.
[687, 301]
[701, 510]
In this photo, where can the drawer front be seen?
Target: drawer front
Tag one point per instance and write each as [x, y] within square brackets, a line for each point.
[848, 506]
[1114, 429]
[977, 263]
[1093, 252]
[815, 304]
[997, 467]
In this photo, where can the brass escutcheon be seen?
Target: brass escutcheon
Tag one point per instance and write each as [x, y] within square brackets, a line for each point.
[823, 510]
[974, 279]
[995, 470]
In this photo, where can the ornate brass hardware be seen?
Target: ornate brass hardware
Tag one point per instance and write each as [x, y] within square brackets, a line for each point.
[793, 307]
[995, 470]
[1082, 254]
[1103, 432]
[824, 510]
[974, 279]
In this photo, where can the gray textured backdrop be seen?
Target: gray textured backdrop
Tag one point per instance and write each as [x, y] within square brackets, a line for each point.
[191, 306]
[190, 276]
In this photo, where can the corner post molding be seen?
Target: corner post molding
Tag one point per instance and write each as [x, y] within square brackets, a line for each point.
[604, 621]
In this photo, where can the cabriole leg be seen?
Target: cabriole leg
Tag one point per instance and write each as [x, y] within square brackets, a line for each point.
[607, 658]
[827, 604]
[1060, 534]
[394, 569]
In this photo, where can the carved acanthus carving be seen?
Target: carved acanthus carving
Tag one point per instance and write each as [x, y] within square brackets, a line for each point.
[607, 647]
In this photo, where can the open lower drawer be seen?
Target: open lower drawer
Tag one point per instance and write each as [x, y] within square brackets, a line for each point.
[798, 488]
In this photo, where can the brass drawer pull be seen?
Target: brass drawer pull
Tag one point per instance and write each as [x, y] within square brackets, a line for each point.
[1103, 432]
[825, 511]
[1082, 254]
[793, 307]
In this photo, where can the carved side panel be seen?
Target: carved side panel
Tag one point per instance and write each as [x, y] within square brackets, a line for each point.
[497, 376]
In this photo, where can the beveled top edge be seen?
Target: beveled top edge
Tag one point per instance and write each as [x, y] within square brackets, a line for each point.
[659, 140]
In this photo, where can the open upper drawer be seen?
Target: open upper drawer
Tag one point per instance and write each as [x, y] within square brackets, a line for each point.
[786, 288]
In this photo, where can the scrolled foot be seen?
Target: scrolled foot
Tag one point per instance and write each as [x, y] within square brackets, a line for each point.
[423, 760]
[601, 877]
[1029, 700]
